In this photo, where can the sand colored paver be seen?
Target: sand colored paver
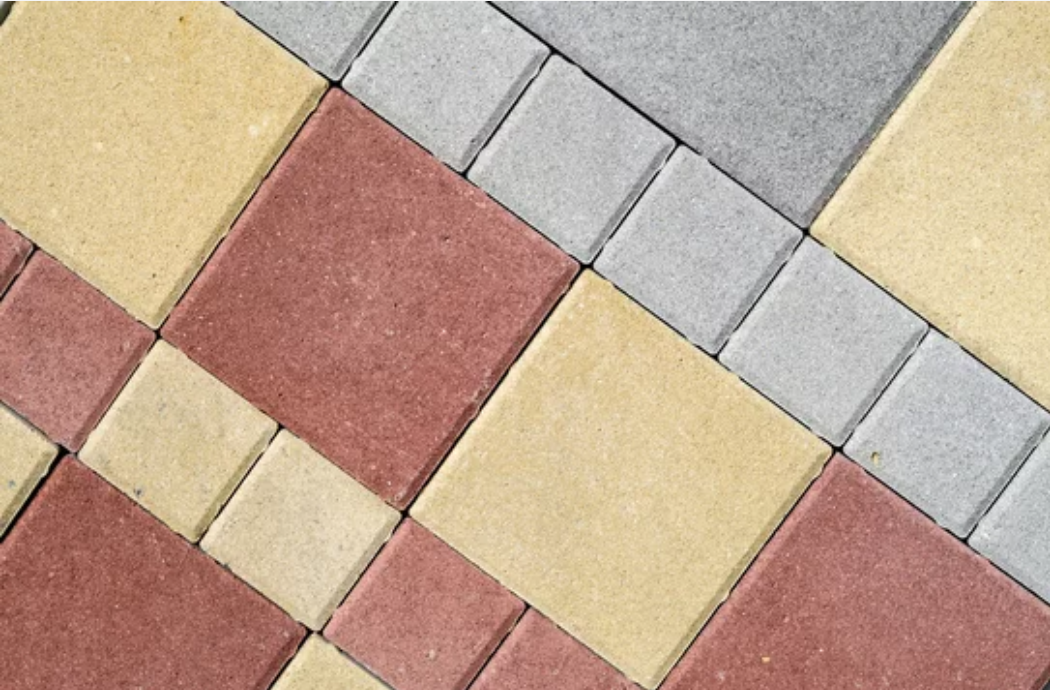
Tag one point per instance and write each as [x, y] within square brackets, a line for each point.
[14, 249]
[949, 208]
[133, 135]
[177, 441]
[25, 455]
[620, 480]
[320, 666]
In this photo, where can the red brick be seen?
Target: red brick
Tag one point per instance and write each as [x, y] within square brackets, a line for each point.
[13, 252]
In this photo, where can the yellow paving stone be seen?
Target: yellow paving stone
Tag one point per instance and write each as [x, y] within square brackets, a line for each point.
[320, 666]
[177, 440]
[949, 210]
[133, 134]
[25, 455]
[620, 480]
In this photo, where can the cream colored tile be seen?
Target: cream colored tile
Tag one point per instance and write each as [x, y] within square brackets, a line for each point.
[25, 455]
[320, 666]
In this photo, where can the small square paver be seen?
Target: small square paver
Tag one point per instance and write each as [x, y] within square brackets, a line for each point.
[823, 342]
[860, 590]
[25, 455]
[320, 666]
[177, 441]
[697, 250]
[597, 483]
[65, 350]
[422, 617]
[14, 250]
[300, 530]
[948, 434]
[95, 593]
[571, 158]
[325, 35]
[445, 74]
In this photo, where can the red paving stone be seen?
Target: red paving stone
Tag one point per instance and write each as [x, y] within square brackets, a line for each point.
[95, 593]
[65, 350]
[13, 252]
[422, 617]
[859, 590]
[369, 298]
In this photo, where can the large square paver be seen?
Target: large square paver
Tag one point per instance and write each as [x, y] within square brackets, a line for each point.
[369, 299]
[320, 666]
[133, 135]
[620, 480]
[25, 455]
[14, 250]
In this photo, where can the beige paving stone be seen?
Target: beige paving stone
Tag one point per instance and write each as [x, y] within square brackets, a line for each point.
[949, 208]
[620, 480]
[177, 440]
[133, 135]
[320, 666]
[300, 530]
[25, 455]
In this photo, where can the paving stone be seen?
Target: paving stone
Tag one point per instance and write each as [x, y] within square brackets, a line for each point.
[369, 299]
[570, 159]
[948, 434]
[299, 530]
[177, 441]
[132, 171]
[823, 342]
[446, 74]
[320, 666]
[14, 250]
[65, 350]
[25, 455]
[697, 250]
[859, 590]
[422, 617]
[97, 594]
[611, 432]
[325, 35]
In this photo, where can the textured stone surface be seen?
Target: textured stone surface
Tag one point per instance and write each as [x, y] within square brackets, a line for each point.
[65, 350]
[570, 159]
[94, 593]
[369, 299]
[697, 250]
[973, 136]
[14, 249]
[859, 590]
[130, 172]
[320, 666]
[325, 35]
[177, 441]
[823, 342]
[446, 74]
[299, 530]
[619, 480]
[948, 434]
[25, 455]
[422, 617]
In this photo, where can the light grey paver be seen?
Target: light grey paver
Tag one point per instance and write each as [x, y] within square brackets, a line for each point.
[570, 159]
[823, 342]
[446, 74]
[948, 434]
[697, 249]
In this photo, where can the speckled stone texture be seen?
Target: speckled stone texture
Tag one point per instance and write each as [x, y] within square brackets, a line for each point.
[320, 666]
[65, 350]
[369, 299]
[422, 617]
[14, 249]
[25, 455]
[95, 593]
[859, 590]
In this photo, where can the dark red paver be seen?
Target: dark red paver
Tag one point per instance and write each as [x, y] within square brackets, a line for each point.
[13, 252]
[859, 590]
[422, 617]
[369, 298]
[95, 593]
[65, 350]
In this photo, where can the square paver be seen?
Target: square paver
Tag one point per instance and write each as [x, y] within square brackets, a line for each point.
[25, 455]
[134, 135]
[823, 342]
[571, 158]
[95, 593]
[597, 483]
[948, 434]
[65, 350]
[369, 299]
[320, 666]
[445, 74]
[697, 250]
[177, 441]
[14, 250]
[422, 617]
[299, 530]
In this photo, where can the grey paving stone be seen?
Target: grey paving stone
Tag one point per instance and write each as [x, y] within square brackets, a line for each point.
[697, 249]
[446, 74]
[948, 434]
[571, 158]
[325, 35]
[823, 342]
[782, 96]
